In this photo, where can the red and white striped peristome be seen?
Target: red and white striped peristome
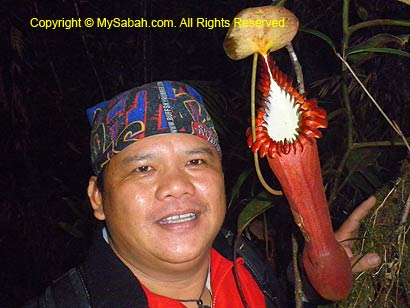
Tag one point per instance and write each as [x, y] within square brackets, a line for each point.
[285, 120]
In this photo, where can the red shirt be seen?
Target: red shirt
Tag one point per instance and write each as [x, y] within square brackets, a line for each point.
[225, 293]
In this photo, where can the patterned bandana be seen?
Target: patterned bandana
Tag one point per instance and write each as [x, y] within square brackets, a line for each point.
[156, 108]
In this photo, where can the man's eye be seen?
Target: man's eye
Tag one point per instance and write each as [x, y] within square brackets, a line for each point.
[196, 162]
[143, 169]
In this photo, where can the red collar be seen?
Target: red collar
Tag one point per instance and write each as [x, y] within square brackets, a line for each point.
[225, 293]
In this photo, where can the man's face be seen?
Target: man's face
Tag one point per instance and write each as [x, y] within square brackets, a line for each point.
[164, 199]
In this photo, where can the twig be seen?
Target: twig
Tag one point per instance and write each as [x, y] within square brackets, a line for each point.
[87, 51]
[297, 67]
[406, 212]
[402, 243]
[253, 95]
[57, 79]
[392, 123]
[403, 220]
[374, 216]
[298, 280]
[360, 292]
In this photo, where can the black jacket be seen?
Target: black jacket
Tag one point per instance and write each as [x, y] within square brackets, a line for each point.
[103, 281]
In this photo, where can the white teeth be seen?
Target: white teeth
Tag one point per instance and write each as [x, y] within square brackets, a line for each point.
[178, 219]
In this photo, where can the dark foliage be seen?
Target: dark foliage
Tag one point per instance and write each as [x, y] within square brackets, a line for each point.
[49, 77]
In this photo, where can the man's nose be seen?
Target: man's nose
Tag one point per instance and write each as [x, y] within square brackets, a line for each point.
[175, 183]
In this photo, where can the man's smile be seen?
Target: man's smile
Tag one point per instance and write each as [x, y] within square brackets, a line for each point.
[175, 219]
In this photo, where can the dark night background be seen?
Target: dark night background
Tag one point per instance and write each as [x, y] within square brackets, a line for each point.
[49, 77]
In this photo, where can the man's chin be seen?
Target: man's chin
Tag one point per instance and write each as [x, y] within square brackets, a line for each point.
[186, 254]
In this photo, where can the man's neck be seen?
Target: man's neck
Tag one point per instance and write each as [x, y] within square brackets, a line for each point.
[187, 284]
[177, 281]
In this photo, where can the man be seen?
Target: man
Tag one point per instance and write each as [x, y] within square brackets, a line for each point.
[159, 189]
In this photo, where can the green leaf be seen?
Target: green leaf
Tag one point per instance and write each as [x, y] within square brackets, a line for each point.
[363, 175]
[360, 183]
[362, 158]
[360, 52]
[74, 206]
[372, 177]
[362, 13]
[321, 35]
[254, 208]
[382, 50]
[71, 229]
[238, 184]
[278, 2]
[376, 41]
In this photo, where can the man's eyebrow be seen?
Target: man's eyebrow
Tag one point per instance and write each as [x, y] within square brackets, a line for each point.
[202, 150]
[137, 157]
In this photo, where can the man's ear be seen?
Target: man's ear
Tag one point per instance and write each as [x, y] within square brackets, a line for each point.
[96, 198]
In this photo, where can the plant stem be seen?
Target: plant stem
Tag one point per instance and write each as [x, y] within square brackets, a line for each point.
[253, 117]
[280, 3]
[345, 92]
[371, 144]
[338, 174]
[345, 26]
[261, 178]
[298, 279]
[297, 67]
[379, 22]
[406, 212]
[253, 92]
[349, 143]
[346, 103]
[349, 114]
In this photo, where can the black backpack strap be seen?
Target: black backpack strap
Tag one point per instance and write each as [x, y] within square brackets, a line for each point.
[273, 288]
[69, 291]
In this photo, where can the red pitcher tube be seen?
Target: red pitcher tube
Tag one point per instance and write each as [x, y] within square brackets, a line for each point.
[286, 127]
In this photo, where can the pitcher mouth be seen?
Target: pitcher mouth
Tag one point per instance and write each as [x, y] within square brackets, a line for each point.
[286, 120]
